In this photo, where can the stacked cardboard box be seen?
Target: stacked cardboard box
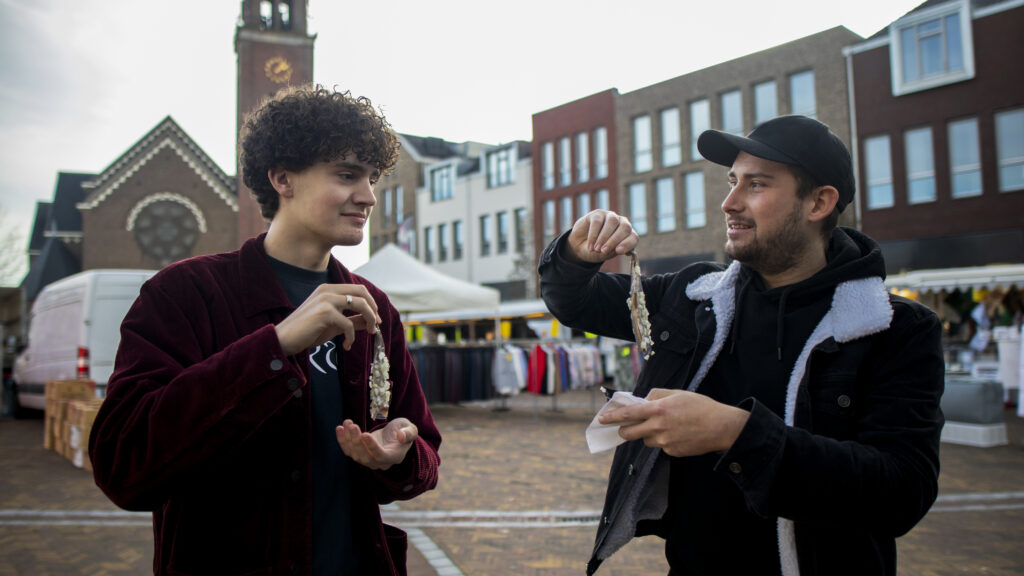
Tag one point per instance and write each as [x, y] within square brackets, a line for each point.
[80, 416]
[59, 394]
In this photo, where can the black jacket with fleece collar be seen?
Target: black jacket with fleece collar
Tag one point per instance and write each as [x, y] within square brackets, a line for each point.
[853, 461]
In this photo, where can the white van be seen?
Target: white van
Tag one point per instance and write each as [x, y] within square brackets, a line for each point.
[74, 330]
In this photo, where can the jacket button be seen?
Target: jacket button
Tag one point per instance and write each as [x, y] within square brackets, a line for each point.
[629, 470]
[735, 467]
[664, 335]
[293, 383]
[843, 401]
[605, 521]
[297, 393]
[276, 364]
[407, 488]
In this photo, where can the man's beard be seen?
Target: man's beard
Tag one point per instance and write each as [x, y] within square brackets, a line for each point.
[775, 253]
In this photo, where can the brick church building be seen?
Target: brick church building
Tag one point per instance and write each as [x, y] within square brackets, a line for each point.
[164, 199]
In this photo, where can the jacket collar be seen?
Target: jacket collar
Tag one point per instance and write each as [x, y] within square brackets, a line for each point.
[259, 290]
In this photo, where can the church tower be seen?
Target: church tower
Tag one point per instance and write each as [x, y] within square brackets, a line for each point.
[274, 50]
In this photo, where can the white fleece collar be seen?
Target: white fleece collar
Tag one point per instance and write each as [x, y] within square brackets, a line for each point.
[859, 308]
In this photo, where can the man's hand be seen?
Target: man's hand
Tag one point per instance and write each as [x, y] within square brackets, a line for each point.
[679, 422]
[321, 317]
[380, 449]
[601, 235]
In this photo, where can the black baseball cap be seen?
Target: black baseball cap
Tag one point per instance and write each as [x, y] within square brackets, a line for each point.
[794, 140]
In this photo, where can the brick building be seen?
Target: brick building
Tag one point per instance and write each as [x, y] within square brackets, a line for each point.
[939, 125]
[670, 193]
[574, 169]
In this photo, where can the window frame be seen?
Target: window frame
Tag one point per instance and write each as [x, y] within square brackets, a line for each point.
[643, 153]
[600, 152]
[915, 19]
[692, 208]
[872, 183]
[1001, 162]
[671, 149]
[665, 204]
[966, 168]
[920, 175]
[638, 203]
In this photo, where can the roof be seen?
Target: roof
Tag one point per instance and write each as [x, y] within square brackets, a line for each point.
[949, 279]
[975, 5]
[35, 241]
[55, 262]
[64, 215]
[430, 146]
[166, 134]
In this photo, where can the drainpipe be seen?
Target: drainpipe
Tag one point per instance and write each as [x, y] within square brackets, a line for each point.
[854, 144]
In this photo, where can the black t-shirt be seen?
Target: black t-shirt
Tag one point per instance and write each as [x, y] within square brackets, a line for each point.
[333, 552]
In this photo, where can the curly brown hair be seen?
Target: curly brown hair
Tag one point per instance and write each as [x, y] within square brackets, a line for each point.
[300, 126]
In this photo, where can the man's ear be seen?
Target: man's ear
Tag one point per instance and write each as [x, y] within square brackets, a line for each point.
[823, 202]
[280, 179]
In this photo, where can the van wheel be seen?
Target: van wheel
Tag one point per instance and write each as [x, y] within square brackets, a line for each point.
[13, 407]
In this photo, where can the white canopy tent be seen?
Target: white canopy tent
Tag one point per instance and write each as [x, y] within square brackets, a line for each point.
[415, 287]
[1002, 276]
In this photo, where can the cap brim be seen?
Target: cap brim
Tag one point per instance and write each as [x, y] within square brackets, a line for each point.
[723, 148]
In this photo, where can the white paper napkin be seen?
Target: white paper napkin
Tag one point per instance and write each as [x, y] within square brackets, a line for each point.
[601, 437]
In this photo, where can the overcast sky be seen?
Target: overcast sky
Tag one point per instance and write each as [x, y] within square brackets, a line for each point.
[81, 81]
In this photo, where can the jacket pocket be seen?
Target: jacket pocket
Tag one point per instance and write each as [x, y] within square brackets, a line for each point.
[398, 545]
[833, 405]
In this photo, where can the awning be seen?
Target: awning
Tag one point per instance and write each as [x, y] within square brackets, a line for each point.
[510, 309]
[1002, 276]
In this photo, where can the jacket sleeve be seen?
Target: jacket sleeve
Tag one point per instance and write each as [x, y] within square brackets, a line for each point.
[418, 473]
[885, 478]
[172, 406]
[583, 297]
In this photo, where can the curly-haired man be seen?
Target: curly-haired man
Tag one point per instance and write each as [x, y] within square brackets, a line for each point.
[238, 411]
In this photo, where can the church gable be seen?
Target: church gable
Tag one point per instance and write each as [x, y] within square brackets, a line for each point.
[160, 202]
[166, 136]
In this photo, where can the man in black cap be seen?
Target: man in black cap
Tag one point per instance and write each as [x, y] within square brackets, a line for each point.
[792, 419]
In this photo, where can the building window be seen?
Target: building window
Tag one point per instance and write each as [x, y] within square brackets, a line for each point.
[1010, 149]
[601, 200]
[485, 235]
[582, 157]
[964, 158]
[564, 162]
[502, 232]
[700, 120]
[399, 205]
[548, 165]
[732, 112]
[801, 94]
[566, 214]
[638, 207]
[766, 102]
[386, 217]
[666, 196]
[548, 223]
[499, 167]
[671, 146]
[696, 209]
[917, 145]
[428, 245]
[931, 48]
[442, 242]
[878, 169]
[458, 240]
[441, 183]
[522, 227]
[601, 152]
[642, 161]
[582, 204]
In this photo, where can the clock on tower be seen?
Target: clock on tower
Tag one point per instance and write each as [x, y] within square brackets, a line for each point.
[274, 50]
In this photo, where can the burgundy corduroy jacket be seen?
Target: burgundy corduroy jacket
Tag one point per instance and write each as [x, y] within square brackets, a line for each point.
[206, 423]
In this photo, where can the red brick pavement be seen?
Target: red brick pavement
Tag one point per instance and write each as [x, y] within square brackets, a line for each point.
[525, 459]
